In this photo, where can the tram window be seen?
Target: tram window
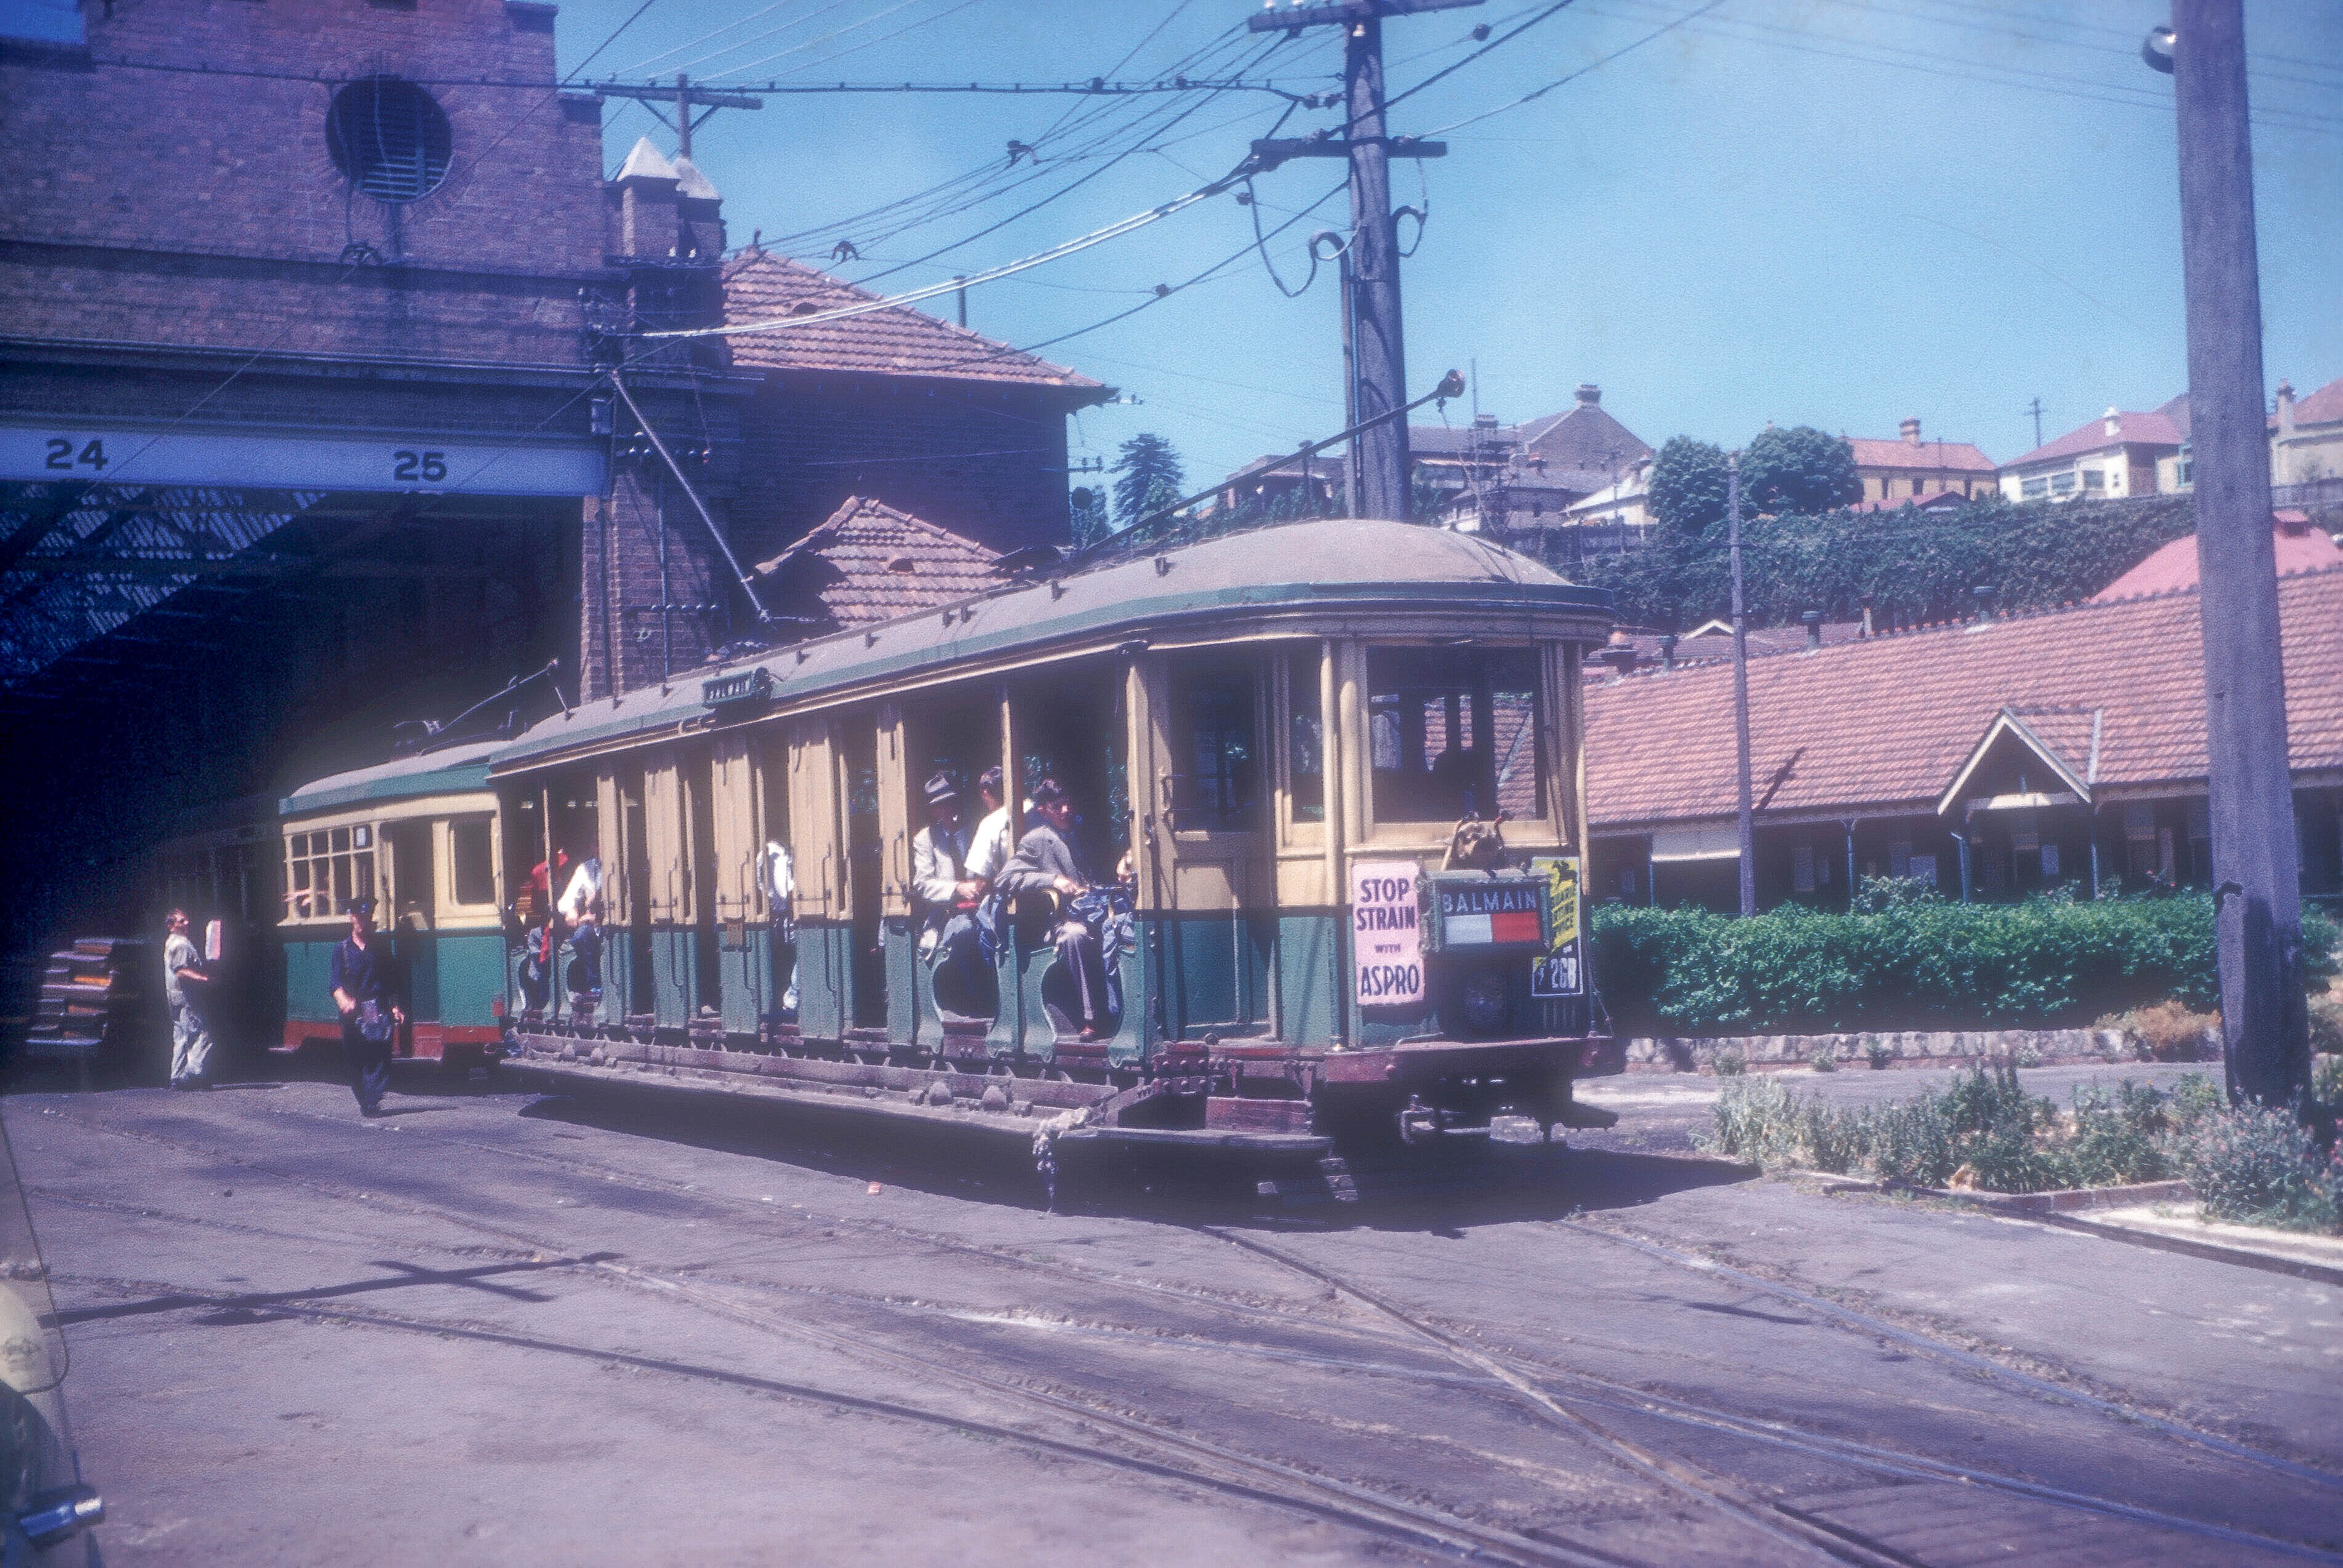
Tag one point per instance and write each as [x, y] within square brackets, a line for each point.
[1306, 759]
[475, 868]
[1452, 732]
[1216, 743]
[326, 869]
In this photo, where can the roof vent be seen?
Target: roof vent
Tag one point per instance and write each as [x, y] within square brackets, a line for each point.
[903, 563]
[2114, 423]
[804, 308]
[1983, 594]
[1485, 421]
[1911, 429]
[1590, 396]
[1814, 622]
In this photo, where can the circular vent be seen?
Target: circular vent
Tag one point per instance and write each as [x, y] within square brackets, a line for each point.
[389, 138]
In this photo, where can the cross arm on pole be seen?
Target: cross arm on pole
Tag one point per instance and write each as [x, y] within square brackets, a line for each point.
[697, 96]
[1330, 10]
[1267, 155]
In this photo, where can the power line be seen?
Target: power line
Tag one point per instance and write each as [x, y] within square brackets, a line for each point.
[1532, 96]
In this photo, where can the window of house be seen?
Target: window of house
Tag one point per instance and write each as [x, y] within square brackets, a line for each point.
[1306, 737]
[1915, 485]
[1899, 859]
[2050, 861]
[1921, 868]
[2063, 484]
[2094, 479]
[327, 870]
[1454, 732]
[1802, 868]
[2200, 820]
[2037, 488]
[475, 866]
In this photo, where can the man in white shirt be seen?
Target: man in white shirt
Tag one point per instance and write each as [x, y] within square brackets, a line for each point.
[581, 907]
[182, 966]
[990, 850]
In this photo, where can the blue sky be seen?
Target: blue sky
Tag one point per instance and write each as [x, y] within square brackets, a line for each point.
[1832, 212]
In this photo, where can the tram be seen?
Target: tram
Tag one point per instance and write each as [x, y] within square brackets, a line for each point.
[1336, 763]
[420, 837]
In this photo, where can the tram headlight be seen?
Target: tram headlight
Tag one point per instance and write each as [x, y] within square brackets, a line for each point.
[1487, 1007]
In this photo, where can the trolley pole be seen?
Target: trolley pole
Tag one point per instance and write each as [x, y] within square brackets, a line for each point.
[1745, 816]
[2258, 897]
[1371, 315]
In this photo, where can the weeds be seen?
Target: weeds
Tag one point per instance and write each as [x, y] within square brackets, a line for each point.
[2168, 1032]
[1877, 1053]
[1824, 1059]
[1731, 1064]
[1983, 1130]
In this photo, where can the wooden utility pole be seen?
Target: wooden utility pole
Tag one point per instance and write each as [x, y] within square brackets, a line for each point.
[1371, 265]
[685, 97]
[1745, 815]
[2258, 895]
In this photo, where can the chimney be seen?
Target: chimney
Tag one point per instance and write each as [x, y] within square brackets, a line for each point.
[1984, 597]
[700, 213]
[646, 187]
[2286, 409]
[1485, 421]
[1814, 622]
[1620, 654]
[1911, 429]
[1590, 396]
[1668, 650]
[2114, 422]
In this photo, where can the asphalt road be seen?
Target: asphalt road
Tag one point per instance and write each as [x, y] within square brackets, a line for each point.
[493, 1329]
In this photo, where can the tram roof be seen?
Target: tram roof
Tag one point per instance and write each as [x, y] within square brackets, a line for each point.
[1320, 564]
[450, 771]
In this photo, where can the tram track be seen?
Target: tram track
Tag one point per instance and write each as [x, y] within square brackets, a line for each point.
[1526, 1381]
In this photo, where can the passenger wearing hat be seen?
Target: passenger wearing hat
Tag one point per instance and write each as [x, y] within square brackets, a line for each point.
[366, 983]
[947, 894]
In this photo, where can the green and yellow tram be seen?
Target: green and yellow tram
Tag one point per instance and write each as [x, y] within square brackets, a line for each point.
[1273, 736]
[420, 837]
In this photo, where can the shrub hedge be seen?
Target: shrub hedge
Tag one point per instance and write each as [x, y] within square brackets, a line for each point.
[1924, 964]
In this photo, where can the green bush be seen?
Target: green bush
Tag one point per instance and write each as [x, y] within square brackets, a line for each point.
[1916, 964]
[2258, 1165]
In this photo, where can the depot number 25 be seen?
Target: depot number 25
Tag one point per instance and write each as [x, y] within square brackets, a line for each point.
[431, 468]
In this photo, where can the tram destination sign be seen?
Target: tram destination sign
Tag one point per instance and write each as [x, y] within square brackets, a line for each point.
[1386, 934]
[166, 453]
[1477, 912]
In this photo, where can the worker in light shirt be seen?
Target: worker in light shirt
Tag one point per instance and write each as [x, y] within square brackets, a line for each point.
[581, 908]
[990, 849]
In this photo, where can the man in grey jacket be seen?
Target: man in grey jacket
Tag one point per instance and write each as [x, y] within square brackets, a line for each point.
[947, 894]
[1045, 861]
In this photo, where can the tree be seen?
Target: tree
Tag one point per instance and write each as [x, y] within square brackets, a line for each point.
[1088, 508]
[1801, 471]
[1151, 478]
[1688, 488]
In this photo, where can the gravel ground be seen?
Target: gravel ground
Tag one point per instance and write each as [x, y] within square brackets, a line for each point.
[500, 1329]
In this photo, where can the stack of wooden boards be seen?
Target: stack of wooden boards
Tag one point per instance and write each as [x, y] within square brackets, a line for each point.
[101, 1001]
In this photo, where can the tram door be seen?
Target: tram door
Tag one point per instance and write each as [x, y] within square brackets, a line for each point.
[737, 820]
[817, 846]
[867, 868]
[1210, 881]
[702, 876]
[667, 884]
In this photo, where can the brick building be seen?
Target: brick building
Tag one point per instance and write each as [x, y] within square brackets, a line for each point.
[1908, 468]
[324, 404]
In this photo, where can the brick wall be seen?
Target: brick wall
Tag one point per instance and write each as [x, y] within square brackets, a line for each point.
[194, 209]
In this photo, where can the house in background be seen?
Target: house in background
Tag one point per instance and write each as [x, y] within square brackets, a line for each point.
[1910, 469]
[1274, 481]
[1623, 505]
[2307, 437]
[1537, 468]
[2116, 455]
[1990, 759]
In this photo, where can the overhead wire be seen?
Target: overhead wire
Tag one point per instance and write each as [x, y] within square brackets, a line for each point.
[841, 32]
[1534, 94]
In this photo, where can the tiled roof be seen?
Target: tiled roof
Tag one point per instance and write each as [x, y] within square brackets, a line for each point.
[1584, 438]
[2164, 426]
[2324, 407]
[872, 563]
[1885, 723]
[898, 341]
[1922, 455]
[2300, 549]
[1714, 640]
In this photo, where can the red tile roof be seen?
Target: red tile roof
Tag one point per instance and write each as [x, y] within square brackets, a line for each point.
[2324, 407]
[870, 563]
[2158, 427]
[2300, 549]
[1885, 724]
[897, 341]
[1928, 455]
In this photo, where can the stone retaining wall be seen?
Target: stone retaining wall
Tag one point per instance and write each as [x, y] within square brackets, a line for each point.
[1917, 1047]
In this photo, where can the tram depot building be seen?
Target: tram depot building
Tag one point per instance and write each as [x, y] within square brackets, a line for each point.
[307, 428]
